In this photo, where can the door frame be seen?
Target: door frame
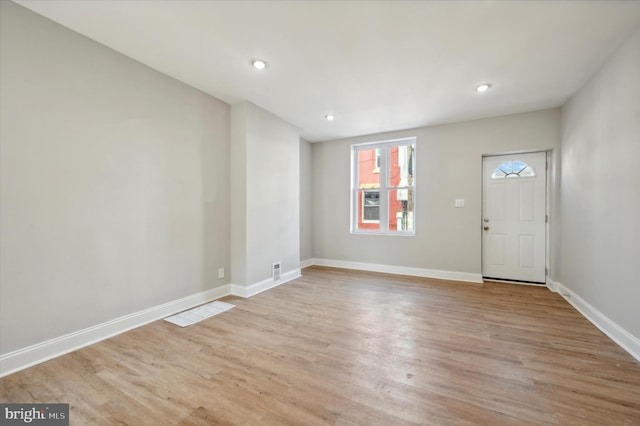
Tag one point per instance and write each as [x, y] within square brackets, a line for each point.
[547, 208]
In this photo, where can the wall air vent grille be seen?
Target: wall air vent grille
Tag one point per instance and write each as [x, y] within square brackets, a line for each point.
[275, 271]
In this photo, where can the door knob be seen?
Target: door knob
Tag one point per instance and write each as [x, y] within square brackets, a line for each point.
[486, 228]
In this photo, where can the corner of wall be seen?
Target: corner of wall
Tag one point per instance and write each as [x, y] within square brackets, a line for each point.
[264, 285]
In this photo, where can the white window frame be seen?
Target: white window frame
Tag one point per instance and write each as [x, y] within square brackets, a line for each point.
[384, 189]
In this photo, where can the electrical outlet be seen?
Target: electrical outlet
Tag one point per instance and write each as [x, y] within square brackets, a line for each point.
[220, 272]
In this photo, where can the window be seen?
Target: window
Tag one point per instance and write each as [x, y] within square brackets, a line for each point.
[511, 169]
[383, 187]
[371, 207]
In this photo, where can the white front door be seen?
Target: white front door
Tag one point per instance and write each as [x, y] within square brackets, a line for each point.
[514, 217]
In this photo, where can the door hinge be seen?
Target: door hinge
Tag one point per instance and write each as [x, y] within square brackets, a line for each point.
[546, 272]
[546, 218]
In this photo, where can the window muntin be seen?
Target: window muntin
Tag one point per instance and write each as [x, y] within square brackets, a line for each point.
[383, 188]
[512, 169]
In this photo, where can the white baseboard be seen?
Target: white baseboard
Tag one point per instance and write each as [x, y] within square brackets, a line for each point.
[264, 285]
[402, 270]
[306, 263]
[622, 337]
[44, 351]
[552, 285]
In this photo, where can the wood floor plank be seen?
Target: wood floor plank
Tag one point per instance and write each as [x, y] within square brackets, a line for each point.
[339, 347]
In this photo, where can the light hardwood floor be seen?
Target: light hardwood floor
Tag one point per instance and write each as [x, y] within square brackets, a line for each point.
[353, 348]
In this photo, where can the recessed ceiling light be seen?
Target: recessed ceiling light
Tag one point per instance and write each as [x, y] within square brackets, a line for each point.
[330, 117]
[259, 64]
[483, 87]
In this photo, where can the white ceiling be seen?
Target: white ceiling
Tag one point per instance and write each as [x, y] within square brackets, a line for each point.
[377, 65]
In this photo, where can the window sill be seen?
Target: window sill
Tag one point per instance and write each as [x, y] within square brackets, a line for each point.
[387, 234]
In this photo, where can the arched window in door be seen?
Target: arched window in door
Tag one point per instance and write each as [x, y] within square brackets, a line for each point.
[511, 169]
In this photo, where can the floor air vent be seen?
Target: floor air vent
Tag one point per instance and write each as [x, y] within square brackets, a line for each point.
[199, 313]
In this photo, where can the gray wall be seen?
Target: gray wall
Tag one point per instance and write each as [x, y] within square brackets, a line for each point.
[267, 182]
[113, 183]
[600, 189]
[306, 214]
[449, 166]
[238, 182]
